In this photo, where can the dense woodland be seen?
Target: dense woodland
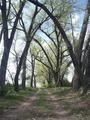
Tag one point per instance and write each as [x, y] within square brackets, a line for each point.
[42, 43]
[50, 44]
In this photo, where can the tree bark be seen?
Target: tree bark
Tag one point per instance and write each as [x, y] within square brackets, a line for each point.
[33, 68]
[76, 78]
[87, 73]
[25, 51]
[24, 74]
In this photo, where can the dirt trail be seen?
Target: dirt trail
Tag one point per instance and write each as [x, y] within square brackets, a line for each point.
[18, 112]
[57, 108]
[28, 110]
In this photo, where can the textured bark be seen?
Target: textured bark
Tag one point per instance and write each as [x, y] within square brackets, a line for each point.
[75, 81]
[35, 82]
[87, 74]
[24, 73]
[4, 66]
[83, 33]
[33, 69]
[25, 51]
[78, 50]
[6, 46]
[49, 77]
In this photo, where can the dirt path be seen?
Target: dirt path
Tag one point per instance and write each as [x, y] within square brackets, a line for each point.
[57, 108]
[20, 111]
[42, 106]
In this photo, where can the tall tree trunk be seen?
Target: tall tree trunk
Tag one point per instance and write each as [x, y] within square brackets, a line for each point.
[56, 79]
[87, 72]
[75, 81]
[24, 73]
[7, 46]
[7, 41]
[3, 67]
[49, 78]
[33, 68]
[76, 78]
[25, 52]
[35, 81]
[29, 36]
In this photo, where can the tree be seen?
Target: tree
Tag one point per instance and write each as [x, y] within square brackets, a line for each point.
[24, 73]
[7, 40]
[29, 37]
[33, 70]
[78, 50]
[66, 40]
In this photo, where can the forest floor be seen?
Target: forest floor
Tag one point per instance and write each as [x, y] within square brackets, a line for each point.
[50, 104]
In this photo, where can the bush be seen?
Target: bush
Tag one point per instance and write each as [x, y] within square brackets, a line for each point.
[66, 83]
[8, 91]
[11, 93]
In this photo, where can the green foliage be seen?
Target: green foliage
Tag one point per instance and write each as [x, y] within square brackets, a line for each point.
[5, 89]
[62, 91]
[11, 93]
[11, 97]
[50, 84]
[66, 83]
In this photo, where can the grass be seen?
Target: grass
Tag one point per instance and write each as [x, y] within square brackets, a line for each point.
[41, 103]
[61, 91]
[13, 98]
[78, 106]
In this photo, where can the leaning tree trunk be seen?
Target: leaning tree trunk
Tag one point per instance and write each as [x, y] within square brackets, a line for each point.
[25, 52]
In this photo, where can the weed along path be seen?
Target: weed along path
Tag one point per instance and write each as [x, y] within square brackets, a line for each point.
[50, 104]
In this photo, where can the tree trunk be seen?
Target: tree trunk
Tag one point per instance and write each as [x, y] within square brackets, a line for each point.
[57, 79]
[25, 51]
[33, 68]
[75, 81]
[78, 51]
[49, 78]
[87, 73]
[3, 68]
[24, 73]
[35, 81]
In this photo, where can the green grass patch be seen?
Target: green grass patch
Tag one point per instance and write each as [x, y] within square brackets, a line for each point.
[12, 98]
[80, 110]
[61, 91]
[41, 103]
[85, 97]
